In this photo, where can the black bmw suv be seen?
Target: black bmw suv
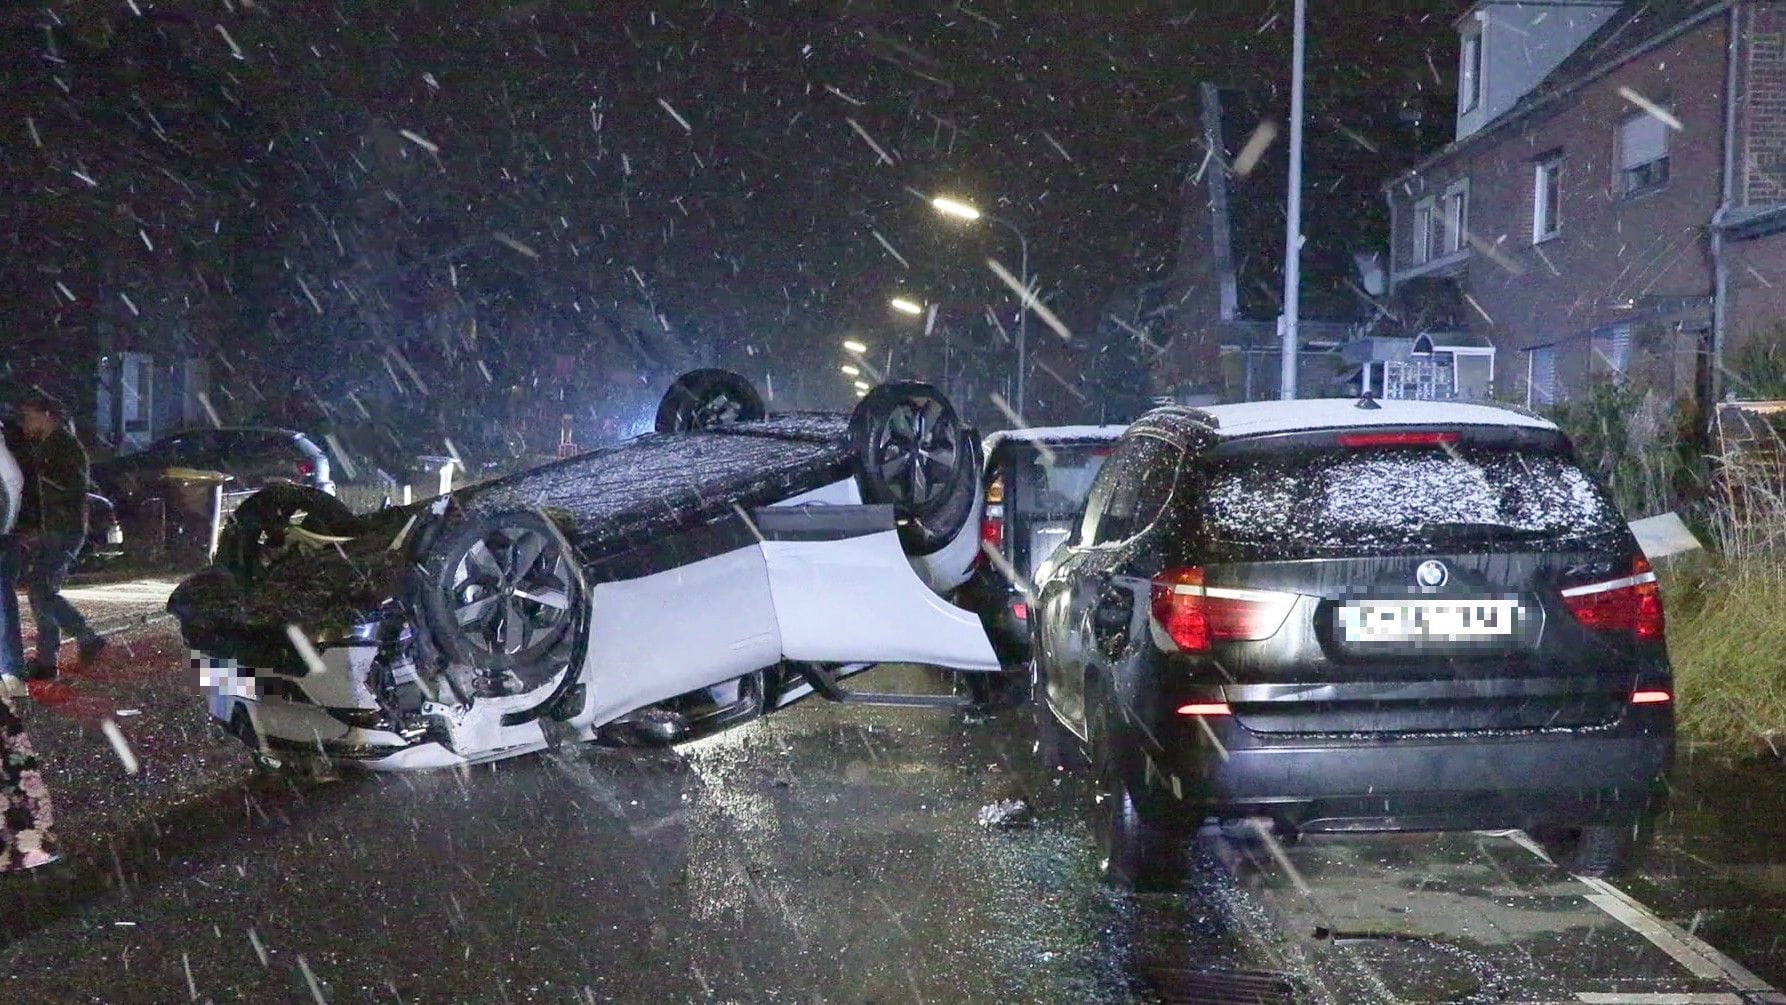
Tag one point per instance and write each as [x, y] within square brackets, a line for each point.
[1354, 616]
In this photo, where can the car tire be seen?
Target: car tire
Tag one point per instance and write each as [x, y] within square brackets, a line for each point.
[502, 596]
[244, 545]
[703, 399]
[1596, 850]
[1056, 747]
[1136, 851]
[913, 451]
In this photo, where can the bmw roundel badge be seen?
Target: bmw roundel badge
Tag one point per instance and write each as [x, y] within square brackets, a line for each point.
[1432, 574]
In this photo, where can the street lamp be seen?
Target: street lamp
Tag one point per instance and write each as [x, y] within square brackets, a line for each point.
[862, 385]
[966, 211]
[854, 346]
[955, 207]
[905, 306]
[851, 370]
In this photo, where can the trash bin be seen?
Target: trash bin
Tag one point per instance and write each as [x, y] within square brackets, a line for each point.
[193, 511]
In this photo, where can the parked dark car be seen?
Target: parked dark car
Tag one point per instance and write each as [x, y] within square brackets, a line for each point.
[105, 536]
[1035, 482]
[254, 457]
[1339, 616]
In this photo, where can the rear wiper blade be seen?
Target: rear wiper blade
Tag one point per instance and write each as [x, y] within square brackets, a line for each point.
[1452, 530]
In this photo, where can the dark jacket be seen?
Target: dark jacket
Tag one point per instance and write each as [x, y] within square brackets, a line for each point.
[55, 470]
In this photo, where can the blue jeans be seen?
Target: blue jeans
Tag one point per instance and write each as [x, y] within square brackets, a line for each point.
[12, 642]
[41, 570]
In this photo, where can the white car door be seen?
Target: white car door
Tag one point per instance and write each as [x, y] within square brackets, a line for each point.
[845, 592]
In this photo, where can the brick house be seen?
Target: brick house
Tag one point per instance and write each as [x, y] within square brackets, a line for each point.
[1615, 199]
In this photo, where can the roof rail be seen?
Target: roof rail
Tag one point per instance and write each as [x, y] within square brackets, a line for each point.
[1196, 415]
[1509, 406]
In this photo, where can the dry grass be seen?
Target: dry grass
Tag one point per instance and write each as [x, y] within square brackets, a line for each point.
[1725, 639]
[1727, 620]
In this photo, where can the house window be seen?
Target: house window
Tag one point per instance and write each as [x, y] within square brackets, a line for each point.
[1423, 231]
[1612, 349]
[1643, 153]
[1547, 194]
[1469, 72]
[1456, 219]
[1541, 376]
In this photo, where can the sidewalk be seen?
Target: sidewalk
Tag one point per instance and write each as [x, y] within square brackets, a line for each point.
[143, 683]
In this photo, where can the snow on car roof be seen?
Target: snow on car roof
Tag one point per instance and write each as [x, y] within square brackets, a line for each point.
[1052, 434]
[1256, 418]
[667, 480]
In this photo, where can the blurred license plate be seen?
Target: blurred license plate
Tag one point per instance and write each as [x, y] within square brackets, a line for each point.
[1406, 620]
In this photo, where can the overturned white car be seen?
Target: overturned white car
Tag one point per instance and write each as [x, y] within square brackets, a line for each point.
[686, 580]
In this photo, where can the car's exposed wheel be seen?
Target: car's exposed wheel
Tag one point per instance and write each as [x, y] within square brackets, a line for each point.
[503, 596]
[912, 451]
[1593, 850]
[1136, 851]
[702, 399]
[256, 532]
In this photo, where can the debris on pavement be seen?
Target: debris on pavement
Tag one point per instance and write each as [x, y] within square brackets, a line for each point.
[1006, 814]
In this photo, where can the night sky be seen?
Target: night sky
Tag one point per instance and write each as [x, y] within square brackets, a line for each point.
[293, 183]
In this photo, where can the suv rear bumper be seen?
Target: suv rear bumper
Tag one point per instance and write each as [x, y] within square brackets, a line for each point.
[1455, 782]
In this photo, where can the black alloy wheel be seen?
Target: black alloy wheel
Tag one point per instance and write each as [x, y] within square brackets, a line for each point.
[1135, 852]
[511, 592]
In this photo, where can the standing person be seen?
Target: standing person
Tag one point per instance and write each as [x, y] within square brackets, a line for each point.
[25, 815]
[12, 642]
[51, 528]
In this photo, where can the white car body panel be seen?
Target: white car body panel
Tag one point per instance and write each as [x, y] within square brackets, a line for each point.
[859, 599]
[644, 646]
[854, 600]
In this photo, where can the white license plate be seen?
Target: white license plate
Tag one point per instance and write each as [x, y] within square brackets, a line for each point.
[1427, 620]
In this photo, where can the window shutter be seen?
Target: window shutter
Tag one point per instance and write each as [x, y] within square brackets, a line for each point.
[1642, 139]
[1544, 376]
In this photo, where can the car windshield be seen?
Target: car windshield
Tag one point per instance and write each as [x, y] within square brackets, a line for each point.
[1327, 502]
[1054, 483]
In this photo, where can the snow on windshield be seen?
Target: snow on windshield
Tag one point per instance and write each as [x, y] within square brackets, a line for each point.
[1337, 500]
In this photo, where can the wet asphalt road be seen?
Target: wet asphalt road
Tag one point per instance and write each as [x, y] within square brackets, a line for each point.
[825, 854]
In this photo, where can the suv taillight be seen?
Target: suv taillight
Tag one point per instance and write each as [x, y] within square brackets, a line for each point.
[992, 526]
[1196, 617]
[1630, 603]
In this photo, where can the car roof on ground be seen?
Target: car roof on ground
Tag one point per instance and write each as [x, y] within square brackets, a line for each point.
[1255, 418]
[1053, 434]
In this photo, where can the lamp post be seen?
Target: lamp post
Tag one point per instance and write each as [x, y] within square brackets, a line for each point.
[1293, 214]
[966, 211]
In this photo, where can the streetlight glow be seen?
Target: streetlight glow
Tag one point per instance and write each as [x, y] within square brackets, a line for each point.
[851, 370]
[904, 306]
[862, 386]
[854, 346]
[954, 207]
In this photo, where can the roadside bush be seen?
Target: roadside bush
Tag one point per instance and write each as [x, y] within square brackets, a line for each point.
[1757, 370]
[1730, 671]
[1644, 446]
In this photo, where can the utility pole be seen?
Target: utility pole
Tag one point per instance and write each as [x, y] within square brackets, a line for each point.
[1293, 215]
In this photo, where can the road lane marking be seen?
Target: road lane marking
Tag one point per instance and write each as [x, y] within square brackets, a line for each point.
[1658, 998]
[1698, 956]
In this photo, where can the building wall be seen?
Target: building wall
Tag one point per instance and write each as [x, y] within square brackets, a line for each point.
[1521, 44]
[1762, 166]
[1757, 288]
[1612, 250]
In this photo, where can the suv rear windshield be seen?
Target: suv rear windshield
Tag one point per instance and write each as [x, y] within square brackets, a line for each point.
[1332, 501]
[1055, 484]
